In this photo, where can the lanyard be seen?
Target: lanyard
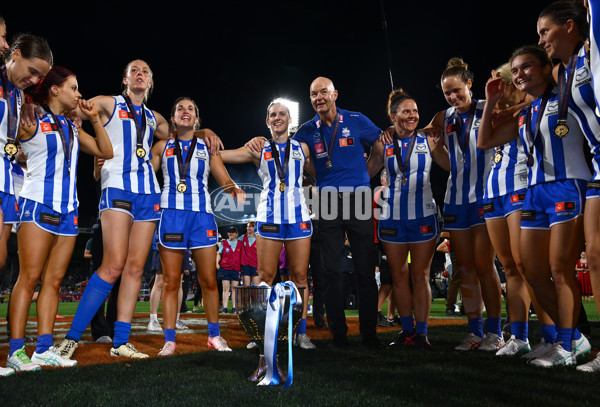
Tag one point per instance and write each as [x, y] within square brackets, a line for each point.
[10, 148]
[463, 140]
[564, 91]
[531, 136]
[281, 171]
[141, 152]
[183, 166]
[403, 164]
[332, 141]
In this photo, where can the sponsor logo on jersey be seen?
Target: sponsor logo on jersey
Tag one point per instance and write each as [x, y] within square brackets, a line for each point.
[319, 147]
[345, 142]
[564, 206]
[304, 225]
[76, 221]
[169, 152]
[426, 229]
[211, 233]
[389, 152]
[517, 198]
[267, 155]
[124, 114]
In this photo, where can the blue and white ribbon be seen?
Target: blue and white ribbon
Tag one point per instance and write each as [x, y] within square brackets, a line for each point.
[276, 312]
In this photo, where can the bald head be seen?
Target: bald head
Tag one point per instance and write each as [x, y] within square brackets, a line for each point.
[322, 97]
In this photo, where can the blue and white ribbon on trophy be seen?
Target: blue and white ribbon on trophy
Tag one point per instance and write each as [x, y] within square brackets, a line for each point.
[276, 313]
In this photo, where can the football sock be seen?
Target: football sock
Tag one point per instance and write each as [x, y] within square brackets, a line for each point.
[493, 325]
[213, 329]
[549, 333]
[301, 330]
[476, 326]
[422, 328]
[520, 329]
[122, 330]
[43, 343]
[93, 297]
[14, 345]
[565, 335]
[408, 324]
[169, 335]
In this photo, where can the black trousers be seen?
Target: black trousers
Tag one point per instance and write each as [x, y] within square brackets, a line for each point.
[333, 228]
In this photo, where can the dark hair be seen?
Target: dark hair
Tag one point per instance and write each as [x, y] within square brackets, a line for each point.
[174, 108]
[397, 96]
[458, 67]
[564, 10]
[534, 50]
[31, 46]
[56, 76]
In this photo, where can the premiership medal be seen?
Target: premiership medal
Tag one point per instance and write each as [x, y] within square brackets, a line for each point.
[140, 152]
[498, 156]
[530, 160]
[141, 130]
[281, 169]
[404, 181]
[181, 187]
[328, 164]
[531, 133]
[10, 149]
[183, 166]
[282, 186]
[403, 163]
[561, 129]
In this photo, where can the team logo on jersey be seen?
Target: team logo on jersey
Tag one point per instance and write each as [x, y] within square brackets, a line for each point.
[169, 152]
[345, 142]
[552, 108]
[201, 154]
[389, 152]
[582, 76]
[296, 155]
[564, 206]
[211, 233]
[421, 148]
[267, 155]
[345, 132]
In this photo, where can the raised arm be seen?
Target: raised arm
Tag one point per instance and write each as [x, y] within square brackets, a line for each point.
[101, 145]
[490, 135]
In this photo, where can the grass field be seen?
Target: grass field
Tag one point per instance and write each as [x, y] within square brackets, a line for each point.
[356, 376]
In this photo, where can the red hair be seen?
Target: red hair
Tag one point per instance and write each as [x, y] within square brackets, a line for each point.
[56, 76]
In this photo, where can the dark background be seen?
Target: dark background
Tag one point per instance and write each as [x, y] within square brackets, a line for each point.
[233, 58]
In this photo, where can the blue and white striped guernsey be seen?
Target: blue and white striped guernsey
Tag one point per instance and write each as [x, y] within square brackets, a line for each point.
[555, 158]
[583, 103]
[510, 173]
[127, 171]
[594, 36]
[412, 199]
[48, 179]
[468, 171]
[7, 96]
[282, 207]
[196, 197]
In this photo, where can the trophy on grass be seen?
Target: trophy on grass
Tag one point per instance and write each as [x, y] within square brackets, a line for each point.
[264, 312]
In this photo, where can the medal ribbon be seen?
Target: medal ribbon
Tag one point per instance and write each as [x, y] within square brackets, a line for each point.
[183, 167]
[463, 139]
[532, 136]
[11, 110]
[63, 139]
[333, 136]
[565, 84]
[280, 294]
[281, 171]
[403, 164]
[140, 130]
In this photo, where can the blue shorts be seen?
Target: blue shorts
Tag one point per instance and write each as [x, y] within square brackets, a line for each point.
[10, 209]
[182, 229]
[249, 271]
[288, 231]
[141, 207]
[49, 220]
[552, 202]
[223, 274]
[502, 206]
[462, 217]
[593, 190]
[408, 231]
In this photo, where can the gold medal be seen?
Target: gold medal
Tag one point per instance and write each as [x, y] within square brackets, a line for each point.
[181, 187]
[561, 130]
[597, 112]
[328, 164]
[282, 186]
[10, 149]
[498, 157]
[140, 152]
[530, 160]
[404, 181]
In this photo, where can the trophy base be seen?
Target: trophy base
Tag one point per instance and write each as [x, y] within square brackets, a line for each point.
[261, 371]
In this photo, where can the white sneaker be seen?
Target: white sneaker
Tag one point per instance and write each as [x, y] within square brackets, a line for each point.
[52, 358]
[471, 342]
[154, 325]
[580, 346]
[538, 350]
[513, 347]
[557, 356]
[590, 367]
[104, 339]
[20, 362]
[491, 342]
[180, 325]
[218, 343]
[6, 371]
[303, 341]
[252, 345]
[168, 349]
[127, 350]
[66, 348]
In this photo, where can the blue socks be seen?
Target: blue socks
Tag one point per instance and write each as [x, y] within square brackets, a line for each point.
[548, 333]
[15, 345]
[494, 325]
[476, 327]
[565, 335]
[93, 297]
[422, 328]
[169, 335]
[301, 330]
[43, 343]
[213, 329]
[122, 330]
[520, 329]
[408, 324]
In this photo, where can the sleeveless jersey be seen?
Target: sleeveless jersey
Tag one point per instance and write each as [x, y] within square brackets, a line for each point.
[126, 170]
[583, 103]
[555, 158]
[413, 199]
[288, 206]
[510, 173]
[594, 36]
[50, 180]
[468, 171]
[13, 96]
[196, 198]
[230, 258]
[249, 255]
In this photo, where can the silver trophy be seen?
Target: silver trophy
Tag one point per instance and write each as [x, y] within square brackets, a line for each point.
[251, 308]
